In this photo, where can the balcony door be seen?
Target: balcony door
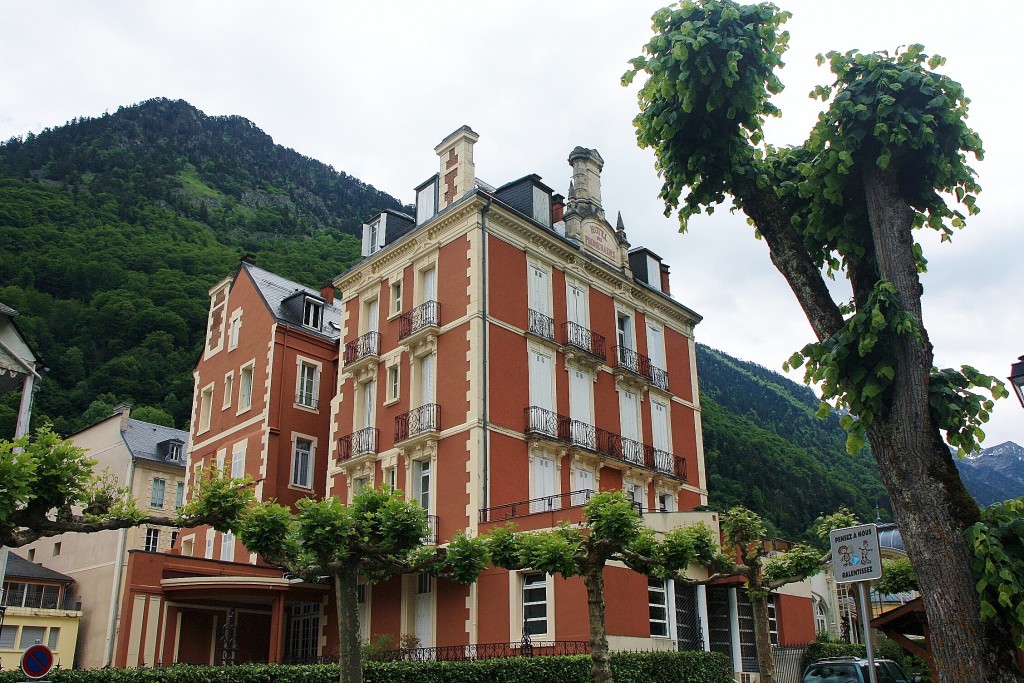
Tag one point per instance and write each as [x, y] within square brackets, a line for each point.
[544, 488]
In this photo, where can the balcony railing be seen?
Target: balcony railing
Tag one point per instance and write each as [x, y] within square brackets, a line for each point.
[427, 314]
[358, 443]
[559, 501]
[447, 653]
[306, 400]
[366, 345]
[426, 418]
[577, 336]
[431, 537]
[41, 599]
[544, 422]
[541, 325]
[639, 364]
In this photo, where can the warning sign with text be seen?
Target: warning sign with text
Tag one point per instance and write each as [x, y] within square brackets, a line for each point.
[855, 553]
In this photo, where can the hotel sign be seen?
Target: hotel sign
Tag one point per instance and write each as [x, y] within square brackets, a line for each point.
[601, 241]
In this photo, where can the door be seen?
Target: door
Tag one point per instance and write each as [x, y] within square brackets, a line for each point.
[541, 393]
[581, 430]
[424, 606]
[659, 431]
[430, 285]
[373, 315]
[630, 428]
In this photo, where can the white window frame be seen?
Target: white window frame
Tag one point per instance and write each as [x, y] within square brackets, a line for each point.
[245, 399]
[234, 329]
[552, 501]
[210, 540]
[570, 286]
[238, 462]
[227, 547]
[229, 390]
[205, 408]
[541, 274]
[426, 204]
[625, 336]
[307, 400]
[517, 586]
[663, 588]
[312, 313]
[152, 542]
[550, 402]
[394, 382]
[395, 291]
[296, 437]
[370, 319]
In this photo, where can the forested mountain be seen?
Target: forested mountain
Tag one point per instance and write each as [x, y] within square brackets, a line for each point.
[112, 229]
[765, 448]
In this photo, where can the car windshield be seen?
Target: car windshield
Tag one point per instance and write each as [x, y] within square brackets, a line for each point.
[889, 672]
[832, 673]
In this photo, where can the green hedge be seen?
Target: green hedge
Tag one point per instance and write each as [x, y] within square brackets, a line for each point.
[636, 667]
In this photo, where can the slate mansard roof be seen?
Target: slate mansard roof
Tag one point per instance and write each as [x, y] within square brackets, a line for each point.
[147, 441]
[280, 296]
[20, 568]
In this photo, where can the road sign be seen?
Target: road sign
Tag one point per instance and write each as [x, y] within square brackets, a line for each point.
[855, 553]
[37, 661]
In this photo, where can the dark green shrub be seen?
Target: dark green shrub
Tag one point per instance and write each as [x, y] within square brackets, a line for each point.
[824, 648]
[637, 667]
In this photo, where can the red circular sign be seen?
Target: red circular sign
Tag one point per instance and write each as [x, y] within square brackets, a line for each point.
[37, 661]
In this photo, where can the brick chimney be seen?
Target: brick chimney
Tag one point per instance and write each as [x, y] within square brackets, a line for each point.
[664, 279]
[458, 172]
[327, 291]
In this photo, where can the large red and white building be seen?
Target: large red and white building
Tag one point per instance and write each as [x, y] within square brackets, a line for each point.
[498, 356]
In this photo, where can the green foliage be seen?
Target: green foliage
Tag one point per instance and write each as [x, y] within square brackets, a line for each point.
[112, 231]
[840, 519]
[827, 647]
[897, 576]
[632, 667]
[998, 564]
[377, 647]
[217, 500]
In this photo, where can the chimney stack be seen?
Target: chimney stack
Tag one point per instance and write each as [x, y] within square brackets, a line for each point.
[327, 291]
[557, 208]
[123, 409]
[664, 279]
[458, 172]
[586, 178]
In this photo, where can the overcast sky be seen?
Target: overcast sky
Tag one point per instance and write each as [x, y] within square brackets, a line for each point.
[371, 87]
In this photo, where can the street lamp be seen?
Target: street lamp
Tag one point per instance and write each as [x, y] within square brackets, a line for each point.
[1017, 378]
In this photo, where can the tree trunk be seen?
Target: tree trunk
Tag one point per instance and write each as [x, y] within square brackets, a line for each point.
[350, 654]
[931, 504]
[601, 670]
[762, 635]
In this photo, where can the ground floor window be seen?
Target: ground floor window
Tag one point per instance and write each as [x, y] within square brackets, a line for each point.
[535, 603]
[303, 631]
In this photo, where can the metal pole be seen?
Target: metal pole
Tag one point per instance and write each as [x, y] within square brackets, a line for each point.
[865, 604]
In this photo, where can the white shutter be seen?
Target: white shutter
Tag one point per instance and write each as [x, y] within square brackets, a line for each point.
[373, 315]
[540, 380]
[369, 396]
[237, 464]
[659, 419]
[656, 346]
[543, 484]
[582, 480]
[366, 240]
[628, 415]
[540, 292]
[429, 285]
[579, 395]
[577, 305]
[424, 606]
[427, 380]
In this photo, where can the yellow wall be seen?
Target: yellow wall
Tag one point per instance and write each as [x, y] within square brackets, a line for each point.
[65, 620]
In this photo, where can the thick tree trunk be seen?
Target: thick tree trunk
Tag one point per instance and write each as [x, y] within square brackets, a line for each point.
[762, 636]
[349, 647]
[931, 504]
[601, 670]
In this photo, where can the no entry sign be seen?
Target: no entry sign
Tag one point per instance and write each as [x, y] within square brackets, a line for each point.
[37, 661]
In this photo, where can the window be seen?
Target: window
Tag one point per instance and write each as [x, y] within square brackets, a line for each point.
[539, 294]
[369, 401]
[542, 380]
[175, 450]
[309, 385]
[583, 484]
[229, 389]
[174, 538]
[209, 547]
[227, 547]
[179, 495]
[302, 463]
[391, 477]
[152, 540]
[312, 313]
[205, 409]
[31, 554]
[53, 638]
[426, 202]
[624, 330]
[373, 237]
[393, 382]
[666, 502]
[657, 607]
[535, 604]
[188, 546]
[56, 549]
[545, 486]
[156, 497]
[238, 464]
[576, 304]
[234, 328]
[371, 312]
[30, 635]
[7, 635]
[396, 297]
[629, 426]
[421, 483]
[245, 388]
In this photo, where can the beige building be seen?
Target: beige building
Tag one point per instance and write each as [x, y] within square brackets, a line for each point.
[40, 608]
[151, 459]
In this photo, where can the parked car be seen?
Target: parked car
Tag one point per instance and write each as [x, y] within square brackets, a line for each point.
[855, 670]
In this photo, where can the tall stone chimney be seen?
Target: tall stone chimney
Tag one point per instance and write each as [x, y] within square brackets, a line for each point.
[124, 410]
[458, 172]
[586, 179]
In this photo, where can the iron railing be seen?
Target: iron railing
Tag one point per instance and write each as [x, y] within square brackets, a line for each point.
[358, 443]
[540, 648]
[541, 325]
[559, 501]
[639, 364]
[577, 336]
[307, 400]
[366, 345]
[32, 596]
[544, 422]
[431, 537]
[427, 314]
[426, 418]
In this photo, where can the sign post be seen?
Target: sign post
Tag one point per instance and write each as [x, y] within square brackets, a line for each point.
[856, 558]
[37, 661]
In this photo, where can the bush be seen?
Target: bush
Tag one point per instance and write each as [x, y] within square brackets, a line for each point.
[633, 667]
[830, 648]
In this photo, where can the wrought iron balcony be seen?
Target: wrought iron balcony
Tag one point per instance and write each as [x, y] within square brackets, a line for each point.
[542, 421]
[427, 314]
[431, 537]
[639, 364]
[541, 325]
[358, 443]
[426, 418]
[365, 346]
[559, 501]
[579, 337]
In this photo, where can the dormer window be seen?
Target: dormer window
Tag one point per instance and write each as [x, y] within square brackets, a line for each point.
[426, 201]
[174, 451]
[373, 236]
[312, 313]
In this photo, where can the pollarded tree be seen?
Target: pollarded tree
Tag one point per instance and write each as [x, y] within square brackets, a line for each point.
[886, 154]
[611, 531]
[379, 535]
[48, 487]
